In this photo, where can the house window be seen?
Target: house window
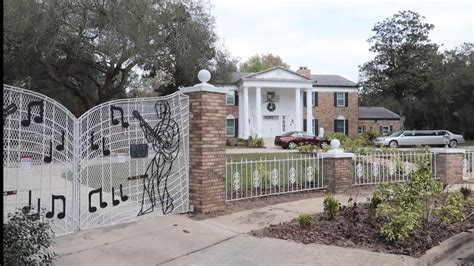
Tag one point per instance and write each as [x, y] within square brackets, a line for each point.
[385, 129]
[315, 126]
[340, 126]
[361, 129]
[231, 98]
[315, 98]
[283, 124]
[230, 123]
[341, 98]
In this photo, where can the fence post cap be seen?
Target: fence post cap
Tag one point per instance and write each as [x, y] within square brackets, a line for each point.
[447, 150]
[204, 76]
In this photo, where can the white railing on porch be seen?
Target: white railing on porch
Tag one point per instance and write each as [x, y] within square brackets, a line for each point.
[380, 167]
[270, 176]
[468, 165]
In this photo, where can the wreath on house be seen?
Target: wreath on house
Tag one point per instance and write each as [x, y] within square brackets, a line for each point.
[271, 107]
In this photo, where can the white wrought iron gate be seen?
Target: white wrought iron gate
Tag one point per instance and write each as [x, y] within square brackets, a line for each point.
[119, 161]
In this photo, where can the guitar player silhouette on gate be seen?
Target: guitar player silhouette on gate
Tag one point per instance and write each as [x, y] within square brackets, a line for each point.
[164, 138]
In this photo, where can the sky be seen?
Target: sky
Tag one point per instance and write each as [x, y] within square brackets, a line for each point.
[328, 37]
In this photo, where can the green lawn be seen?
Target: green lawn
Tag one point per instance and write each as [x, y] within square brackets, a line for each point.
[468, 143]
[257, 156]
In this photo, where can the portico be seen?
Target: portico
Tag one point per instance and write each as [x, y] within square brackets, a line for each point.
[278, 100]
[271, 103]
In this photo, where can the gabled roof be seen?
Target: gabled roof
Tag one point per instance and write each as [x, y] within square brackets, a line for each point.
[274, 68]
[380, 113]
[332, 81]
[319, 80]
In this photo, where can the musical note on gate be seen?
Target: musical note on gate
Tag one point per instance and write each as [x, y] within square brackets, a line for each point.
[104, 151]
[39, 206]
[60, 147]
[116, 202]
[38, 119]
[114, 120]
[48, 159]
[93, 146]
[102, 204]
[60, 215]
[28, 208]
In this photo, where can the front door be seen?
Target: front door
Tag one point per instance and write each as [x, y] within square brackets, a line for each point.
[270, 126]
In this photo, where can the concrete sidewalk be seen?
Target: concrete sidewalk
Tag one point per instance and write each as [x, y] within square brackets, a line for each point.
[179, 240]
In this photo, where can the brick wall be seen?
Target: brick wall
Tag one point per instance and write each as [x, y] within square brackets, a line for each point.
[449, 167]
[207, 157]
[372, 125]
[337, 174]
[326, 112]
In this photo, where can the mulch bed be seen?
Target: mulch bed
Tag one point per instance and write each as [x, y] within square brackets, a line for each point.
[356, 228]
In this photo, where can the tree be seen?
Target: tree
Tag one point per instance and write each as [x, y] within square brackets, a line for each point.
[258, 63]
[406, 66]
[458, 84]
[83, 53]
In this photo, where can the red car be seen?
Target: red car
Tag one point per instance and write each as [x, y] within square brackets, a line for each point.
[292, 139]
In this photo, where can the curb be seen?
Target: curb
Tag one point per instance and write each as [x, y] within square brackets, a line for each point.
[446, 247]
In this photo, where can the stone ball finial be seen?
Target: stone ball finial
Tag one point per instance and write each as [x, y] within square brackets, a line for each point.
[204, 75]
[335, 144]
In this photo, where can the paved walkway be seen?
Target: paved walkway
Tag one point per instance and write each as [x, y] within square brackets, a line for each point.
[179, 240]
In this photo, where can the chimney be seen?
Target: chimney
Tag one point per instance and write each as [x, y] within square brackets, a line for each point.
[304, 71]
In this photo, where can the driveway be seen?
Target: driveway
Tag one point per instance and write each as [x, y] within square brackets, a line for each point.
[223, 240]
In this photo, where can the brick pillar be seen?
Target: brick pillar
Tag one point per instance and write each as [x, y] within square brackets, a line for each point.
[337, 170]
[449, 165]
[207, 157]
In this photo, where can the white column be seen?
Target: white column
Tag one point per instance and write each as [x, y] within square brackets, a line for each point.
[298, 116]
[241, 114]
[309, 111]
[258, 111]
[246, 125]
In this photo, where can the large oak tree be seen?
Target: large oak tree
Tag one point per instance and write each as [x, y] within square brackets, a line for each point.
[83, 53]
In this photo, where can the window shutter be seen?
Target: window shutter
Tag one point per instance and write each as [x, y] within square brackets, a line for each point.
[346, 127]
[391, 128]
[335, 99]
[347, 99]
[316, 127]
[304, 125]
[236, 126]
[315, 96]
[335, 125]
[304, 99]
[236, 97]
[380, 129]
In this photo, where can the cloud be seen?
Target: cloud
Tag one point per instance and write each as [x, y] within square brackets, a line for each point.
[329, 37]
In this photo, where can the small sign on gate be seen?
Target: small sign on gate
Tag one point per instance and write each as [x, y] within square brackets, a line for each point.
[121, 156]
[25, 162]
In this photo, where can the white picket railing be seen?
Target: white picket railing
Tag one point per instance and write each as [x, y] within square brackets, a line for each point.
[263, 177]
[381, 167]
[468, 165]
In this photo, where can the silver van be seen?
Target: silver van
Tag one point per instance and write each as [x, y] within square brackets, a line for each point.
[420, 137]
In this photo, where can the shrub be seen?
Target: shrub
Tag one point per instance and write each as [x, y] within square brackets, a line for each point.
[466, 192]
[306, 220]
[408, 206]
[26, 239]
[256, 143]
[375, 201]
[331, 207]
[452, 210]
[337, 135]
[306, 148]
[236, 142]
